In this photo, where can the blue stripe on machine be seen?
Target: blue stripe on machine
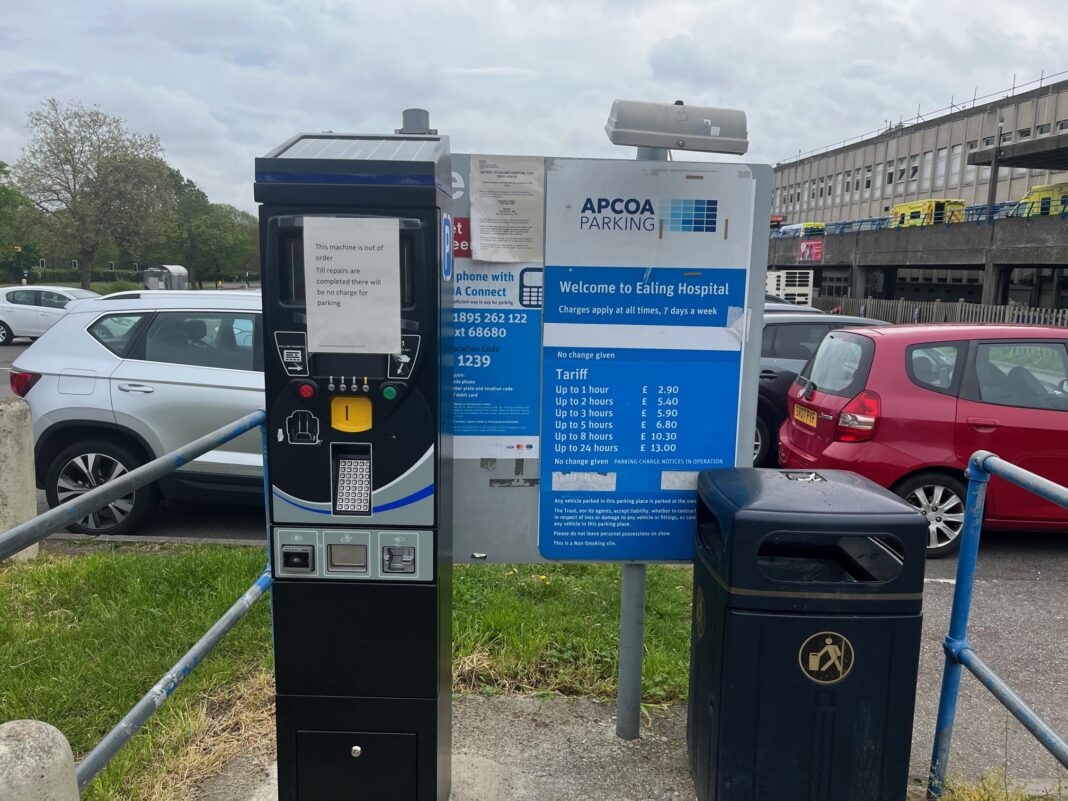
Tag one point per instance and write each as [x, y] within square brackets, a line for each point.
[366, 179]
[302, 506]
[425, 492]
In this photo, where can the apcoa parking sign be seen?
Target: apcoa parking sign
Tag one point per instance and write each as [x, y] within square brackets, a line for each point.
[649, 287]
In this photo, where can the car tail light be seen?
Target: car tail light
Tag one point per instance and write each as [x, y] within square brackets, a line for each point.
[22, 382]
[858, 418]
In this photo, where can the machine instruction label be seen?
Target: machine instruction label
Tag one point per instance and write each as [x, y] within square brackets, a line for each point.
[352, 284]
[496, 345]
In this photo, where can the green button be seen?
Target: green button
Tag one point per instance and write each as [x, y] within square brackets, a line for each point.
[389, 393]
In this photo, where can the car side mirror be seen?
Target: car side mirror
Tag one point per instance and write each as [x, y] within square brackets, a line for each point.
[1063, 386]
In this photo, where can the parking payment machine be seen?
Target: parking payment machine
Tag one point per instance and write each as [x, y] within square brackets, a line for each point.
[355, 276]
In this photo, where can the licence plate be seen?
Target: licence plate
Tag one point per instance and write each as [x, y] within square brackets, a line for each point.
[805, 415]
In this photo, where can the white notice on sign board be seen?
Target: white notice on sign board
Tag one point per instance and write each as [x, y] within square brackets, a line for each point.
[352, 284]
[507, 208]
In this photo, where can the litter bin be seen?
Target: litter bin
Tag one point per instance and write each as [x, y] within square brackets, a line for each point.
[805, 637]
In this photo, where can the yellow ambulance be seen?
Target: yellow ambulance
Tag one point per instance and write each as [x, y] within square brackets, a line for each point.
[1043, 201]
[926, 212]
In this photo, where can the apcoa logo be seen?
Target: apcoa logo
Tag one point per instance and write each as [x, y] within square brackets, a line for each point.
[617, 214]
[687, 215]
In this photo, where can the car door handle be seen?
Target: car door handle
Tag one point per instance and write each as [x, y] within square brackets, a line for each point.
[141, 389]
[983, 423]
[768, 375]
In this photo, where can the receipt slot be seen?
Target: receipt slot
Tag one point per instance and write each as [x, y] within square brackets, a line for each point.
[354, 285]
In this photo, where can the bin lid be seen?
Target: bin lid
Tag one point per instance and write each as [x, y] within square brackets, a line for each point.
[831, 492]
[826, 541]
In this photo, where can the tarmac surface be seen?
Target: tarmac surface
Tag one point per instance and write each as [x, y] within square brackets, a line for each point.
[535, 749]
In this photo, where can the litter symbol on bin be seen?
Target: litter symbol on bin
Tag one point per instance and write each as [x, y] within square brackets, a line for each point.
[826, 657]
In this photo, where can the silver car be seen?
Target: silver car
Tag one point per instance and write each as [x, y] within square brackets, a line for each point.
[119, 381]
[29, 311]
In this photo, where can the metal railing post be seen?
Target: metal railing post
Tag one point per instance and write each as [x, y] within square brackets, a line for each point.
[958, 625]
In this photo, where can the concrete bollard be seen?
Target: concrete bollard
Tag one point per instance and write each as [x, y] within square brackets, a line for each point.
[36, 763]
[18, 491]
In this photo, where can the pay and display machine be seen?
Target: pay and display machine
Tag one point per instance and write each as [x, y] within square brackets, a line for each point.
[354, 287]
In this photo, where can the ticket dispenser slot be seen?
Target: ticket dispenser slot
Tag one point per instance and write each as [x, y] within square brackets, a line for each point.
[355, 300]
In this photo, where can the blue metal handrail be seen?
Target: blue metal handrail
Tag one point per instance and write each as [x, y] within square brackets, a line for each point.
[21, 536]
[26, 534]
[959, 651]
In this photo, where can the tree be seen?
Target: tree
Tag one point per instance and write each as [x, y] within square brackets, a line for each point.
[212, 240]
[19, 234]
[95, 180]
[224, 246]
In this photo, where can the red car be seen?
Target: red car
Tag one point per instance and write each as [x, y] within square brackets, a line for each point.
[906, 406]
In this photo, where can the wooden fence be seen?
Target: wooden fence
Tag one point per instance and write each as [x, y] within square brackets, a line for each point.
[913, 311]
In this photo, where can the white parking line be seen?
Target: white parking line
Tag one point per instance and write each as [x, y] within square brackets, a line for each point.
[940, 581]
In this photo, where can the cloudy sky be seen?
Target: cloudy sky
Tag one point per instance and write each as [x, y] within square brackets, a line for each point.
[221, 82]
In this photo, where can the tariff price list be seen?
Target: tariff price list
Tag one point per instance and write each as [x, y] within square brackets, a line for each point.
[583, 425]
[621, 411]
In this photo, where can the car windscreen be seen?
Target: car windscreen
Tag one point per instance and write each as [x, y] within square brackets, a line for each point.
[841, 364]
[78, 294]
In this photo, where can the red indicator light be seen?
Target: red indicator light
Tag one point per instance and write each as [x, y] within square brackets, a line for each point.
[306, 391]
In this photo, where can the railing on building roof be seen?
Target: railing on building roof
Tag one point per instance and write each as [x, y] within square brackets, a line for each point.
[1029, 211]
[922, 117]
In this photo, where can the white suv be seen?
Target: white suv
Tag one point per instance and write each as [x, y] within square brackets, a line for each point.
[119, 381]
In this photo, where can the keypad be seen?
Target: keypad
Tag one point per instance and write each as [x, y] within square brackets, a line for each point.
[353, 485]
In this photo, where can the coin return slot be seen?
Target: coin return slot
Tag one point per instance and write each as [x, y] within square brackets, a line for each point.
[347, 558]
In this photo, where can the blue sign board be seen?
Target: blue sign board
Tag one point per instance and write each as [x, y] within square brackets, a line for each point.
[496, 345]
[645, 291]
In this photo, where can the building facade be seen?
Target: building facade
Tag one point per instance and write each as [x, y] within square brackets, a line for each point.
[925, 160]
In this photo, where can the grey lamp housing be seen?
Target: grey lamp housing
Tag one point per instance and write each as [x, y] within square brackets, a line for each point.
[675, 126]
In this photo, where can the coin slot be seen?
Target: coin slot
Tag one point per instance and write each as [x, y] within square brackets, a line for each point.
[347, 558]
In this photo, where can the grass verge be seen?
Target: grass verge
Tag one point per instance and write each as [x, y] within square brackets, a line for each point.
[82, 639]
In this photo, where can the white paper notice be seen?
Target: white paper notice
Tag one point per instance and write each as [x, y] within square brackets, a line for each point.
[352, 284]
[507, 208]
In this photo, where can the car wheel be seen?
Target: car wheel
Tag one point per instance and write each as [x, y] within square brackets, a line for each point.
[7, 336]
[90, 464]
[940, 498]
[763, 445]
